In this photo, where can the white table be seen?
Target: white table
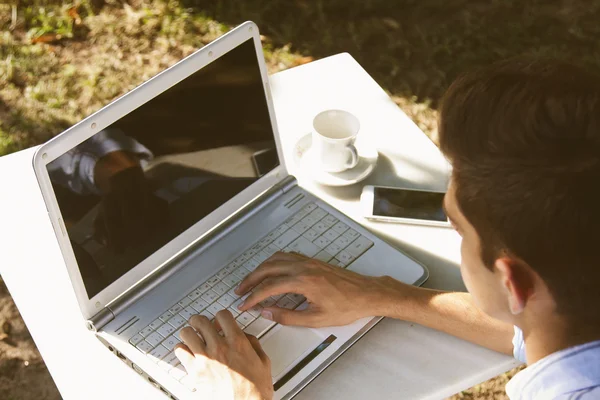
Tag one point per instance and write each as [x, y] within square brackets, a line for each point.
[394, 360]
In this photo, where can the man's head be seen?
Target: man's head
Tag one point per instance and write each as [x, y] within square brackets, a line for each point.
[523, 138]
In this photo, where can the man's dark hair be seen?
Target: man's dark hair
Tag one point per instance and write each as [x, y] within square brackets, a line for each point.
[523, 137]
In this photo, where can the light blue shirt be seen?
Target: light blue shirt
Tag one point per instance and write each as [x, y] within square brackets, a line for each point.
[570, 374]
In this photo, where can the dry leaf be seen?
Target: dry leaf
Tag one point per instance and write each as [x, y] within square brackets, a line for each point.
[7, 327]
[47, 38]
[72, 12]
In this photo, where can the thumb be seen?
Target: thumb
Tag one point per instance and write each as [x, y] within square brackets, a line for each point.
[307, 317]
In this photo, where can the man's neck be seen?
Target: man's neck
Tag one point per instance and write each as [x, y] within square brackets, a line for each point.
[553, 335]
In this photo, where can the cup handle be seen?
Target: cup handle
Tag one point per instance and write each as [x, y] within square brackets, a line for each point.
[354, 157]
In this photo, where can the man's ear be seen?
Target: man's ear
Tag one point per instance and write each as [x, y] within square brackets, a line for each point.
[515, 278]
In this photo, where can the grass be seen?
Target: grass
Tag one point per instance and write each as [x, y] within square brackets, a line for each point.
[60, 61]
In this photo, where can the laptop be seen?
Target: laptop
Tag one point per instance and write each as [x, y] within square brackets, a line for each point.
[164, 200]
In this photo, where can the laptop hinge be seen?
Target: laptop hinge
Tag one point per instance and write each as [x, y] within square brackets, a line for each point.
[101, 319]
[179, 261]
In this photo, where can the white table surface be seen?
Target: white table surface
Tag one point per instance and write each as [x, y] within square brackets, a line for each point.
[395, 360]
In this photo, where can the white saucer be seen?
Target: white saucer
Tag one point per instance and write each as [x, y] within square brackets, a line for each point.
[309, 167]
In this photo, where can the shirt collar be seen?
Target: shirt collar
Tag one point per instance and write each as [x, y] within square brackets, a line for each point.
[565, 371]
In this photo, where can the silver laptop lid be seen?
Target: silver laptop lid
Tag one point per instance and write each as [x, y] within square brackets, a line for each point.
[139, 181]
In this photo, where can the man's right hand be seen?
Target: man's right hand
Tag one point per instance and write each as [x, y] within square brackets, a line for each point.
[335, 295]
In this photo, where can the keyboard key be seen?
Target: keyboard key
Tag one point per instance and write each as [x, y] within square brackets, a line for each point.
[318, 213]
[226, 300]
[184, 302]
[250, 252]
[336, 263]
[205, 287]
[231, 280]
[351, 234]
[170, 342]
[297, 298]
[340, 227]
[322, 242]
[320, 227]
[166, 330]
[310, 220]
[311, 234]
[323, 256]
[241, 259]
[155, 324]
[331, 234]
[359, 246]
[135, 339]
[194, 294]
[234, 311]
[302, 213]
[166, 316]
[169, 361]
[154, 339]
[330, 220]
[293, 220]
[208, 314]
[255, 311]
[221, 288]
[271, 249]
[245, 318]
[231, 267]
[210, 297]
[301, 227]
[213, 281]
[345, 257]
[177, 321]
[305, 247]
[144, 346]
[214, 308]
[158, 353]
[178, 372]
[146, 331]
[199, 305]
[285, 239]
[188, 312]
[251, 265]
[175, 309]
[309, 207]
[262, 256]
[242, 272]
[223, 273]
[267, 302]
[259, 327]
[342, 241]
[286, 302]
[280, 231]
[333, 249]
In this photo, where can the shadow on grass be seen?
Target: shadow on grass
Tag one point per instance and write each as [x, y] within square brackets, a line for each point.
[415, 48]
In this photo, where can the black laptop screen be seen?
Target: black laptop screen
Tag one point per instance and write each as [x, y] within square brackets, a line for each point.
[136, 185]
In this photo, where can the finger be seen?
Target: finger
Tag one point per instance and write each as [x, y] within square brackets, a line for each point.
[227, 323]
[206, 330]
[307, 318]
[272, 287]
[193, 341]
[285, 256]
[184, 354]
[258, 348]
[264, 271]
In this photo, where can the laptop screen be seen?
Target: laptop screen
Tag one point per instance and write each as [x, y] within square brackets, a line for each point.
[136, 185]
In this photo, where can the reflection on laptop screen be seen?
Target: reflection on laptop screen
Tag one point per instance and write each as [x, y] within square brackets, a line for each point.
[134, 186]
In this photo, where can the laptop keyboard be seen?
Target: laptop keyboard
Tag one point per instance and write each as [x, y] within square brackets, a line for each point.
[312, 232]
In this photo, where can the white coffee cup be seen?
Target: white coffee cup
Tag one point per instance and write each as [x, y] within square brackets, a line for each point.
[333, 140]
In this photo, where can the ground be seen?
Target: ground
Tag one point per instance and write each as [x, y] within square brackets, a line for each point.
[60, 61]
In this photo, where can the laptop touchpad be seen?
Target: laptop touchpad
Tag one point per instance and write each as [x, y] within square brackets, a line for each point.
[288, 345]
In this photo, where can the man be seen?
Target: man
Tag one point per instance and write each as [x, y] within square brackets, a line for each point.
[524, 141]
